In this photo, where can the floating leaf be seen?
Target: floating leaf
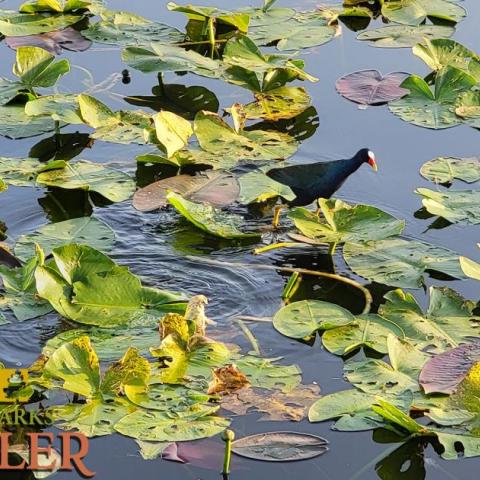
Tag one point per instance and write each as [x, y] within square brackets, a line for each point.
[22, 172]
[369, 87]
[400, 36]
[15, 123]
[210, 219]
[303, 319]
[227, 380]
[3, 187]
[216, 136]
[446, 169]
[88, 230]
[345, 223]
[435, 109]
[112, 184]
[173, 131]
[400, 262]
[443, 373]
[415, 12]
[280, 103]
[258, 187]
[280, 446]
[448, 321]
[170, 58]
[53, 42]
[455, 206]
[470, 268]
[468, 108]
[57, 6]
[107, 295]
[450, 442]
[397, 417]
[61, 108]
[126, 29]
[216, 188]
[13, 24]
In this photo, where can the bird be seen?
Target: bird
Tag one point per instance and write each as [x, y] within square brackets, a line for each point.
[310, 182]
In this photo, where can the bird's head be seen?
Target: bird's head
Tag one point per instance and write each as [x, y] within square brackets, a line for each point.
[367, 156]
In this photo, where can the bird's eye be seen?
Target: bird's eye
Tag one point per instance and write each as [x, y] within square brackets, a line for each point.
[371, 155]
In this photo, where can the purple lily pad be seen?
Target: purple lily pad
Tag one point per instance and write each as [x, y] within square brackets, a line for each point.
[53, 42]
[444, 372]
[369, 87]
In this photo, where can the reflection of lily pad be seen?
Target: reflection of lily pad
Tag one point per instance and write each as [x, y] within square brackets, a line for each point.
[400, 262]
[210, 219]
[456, 206]
[446, 169]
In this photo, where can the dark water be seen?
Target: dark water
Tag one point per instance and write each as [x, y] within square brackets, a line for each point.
[168, 252]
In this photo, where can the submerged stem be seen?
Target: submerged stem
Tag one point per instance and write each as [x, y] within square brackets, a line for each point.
[249, 335]
[305, 271]
[274, 246]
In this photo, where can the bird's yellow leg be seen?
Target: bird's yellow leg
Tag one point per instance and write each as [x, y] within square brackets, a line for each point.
[318, 211]
[276, 215]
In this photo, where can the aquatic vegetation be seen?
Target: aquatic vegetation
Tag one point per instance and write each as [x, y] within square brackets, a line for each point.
[447, 169]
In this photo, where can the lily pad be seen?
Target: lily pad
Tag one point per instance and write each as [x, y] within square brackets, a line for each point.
[346, 223]
[53, 42]
[369, 87]
[210, 219]
[415, 12]
[15, 123]
[470, 268]
[88, 287]
[215, 188]
[444, 372]
[303, 319]
[280, 446]
[112, 184]
[402, 36]
[435, 109]
[216, 136]
[400, 262]
[468, 108]
[3, 187]
[22, 172]
[88, 230]
[258, 187]
[447, 169]
[14, 24]
[455, 206]
[57, 6]
[173, 131]
[61, 108]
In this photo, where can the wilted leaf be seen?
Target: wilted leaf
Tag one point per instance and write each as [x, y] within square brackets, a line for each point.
[227, 379]
[369, 87]
[280, 446]
[210, 219]
[446, 169]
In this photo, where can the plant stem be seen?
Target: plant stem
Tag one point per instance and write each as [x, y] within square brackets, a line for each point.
[228, 437]
[274, 246]
[211, 36]
[249, 335]
[332, 248]
[160, 83]
[305, 271]
[292, 286]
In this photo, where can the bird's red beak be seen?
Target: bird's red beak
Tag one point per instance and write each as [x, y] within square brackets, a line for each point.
[372, 162]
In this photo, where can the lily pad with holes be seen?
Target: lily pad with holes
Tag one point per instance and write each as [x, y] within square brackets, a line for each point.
[433, 109]
[302, 320]
[108, 295]
[341, 222]
[415, 12]
[88, 230]
[403, 36]
[457, 206]
[215, 188]
[112, 184]
[447, 169]
[210, 219]
[369, 87]
[280, 446]
[400, 262]
[216, 136]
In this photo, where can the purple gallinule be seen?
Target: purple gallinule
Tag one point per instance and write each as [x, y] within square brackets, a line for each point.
[318, 180]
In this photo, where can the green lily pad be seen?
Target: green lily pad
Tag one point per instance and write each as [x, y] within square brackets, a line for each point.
[448, 321]
[217, 137]
[20, 292]
[125, 29]
[88, 230]
[435, 109]
[170, 58]
[172, 131]
[439, 53]
[14, 24]
[470, 268]
[9, 89]
[402, 36]
[112, 184]
[57, 6]
[400, 262]
[22, 172]
[346, 223]
[88, 287]
[15, 123]
[415, 12]
[303, 319]
[258, 187]
[210, 219]
[280, 103]
[468, 108]
[447, 169]
[3, 187]
[61, 108]
[455, 206]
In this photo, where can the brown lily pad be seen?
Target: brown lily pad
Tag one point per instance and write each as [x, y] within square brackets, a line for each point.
[370, 87]
[216, 188]
[280, 446]
[444, 372]
[227, 379]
